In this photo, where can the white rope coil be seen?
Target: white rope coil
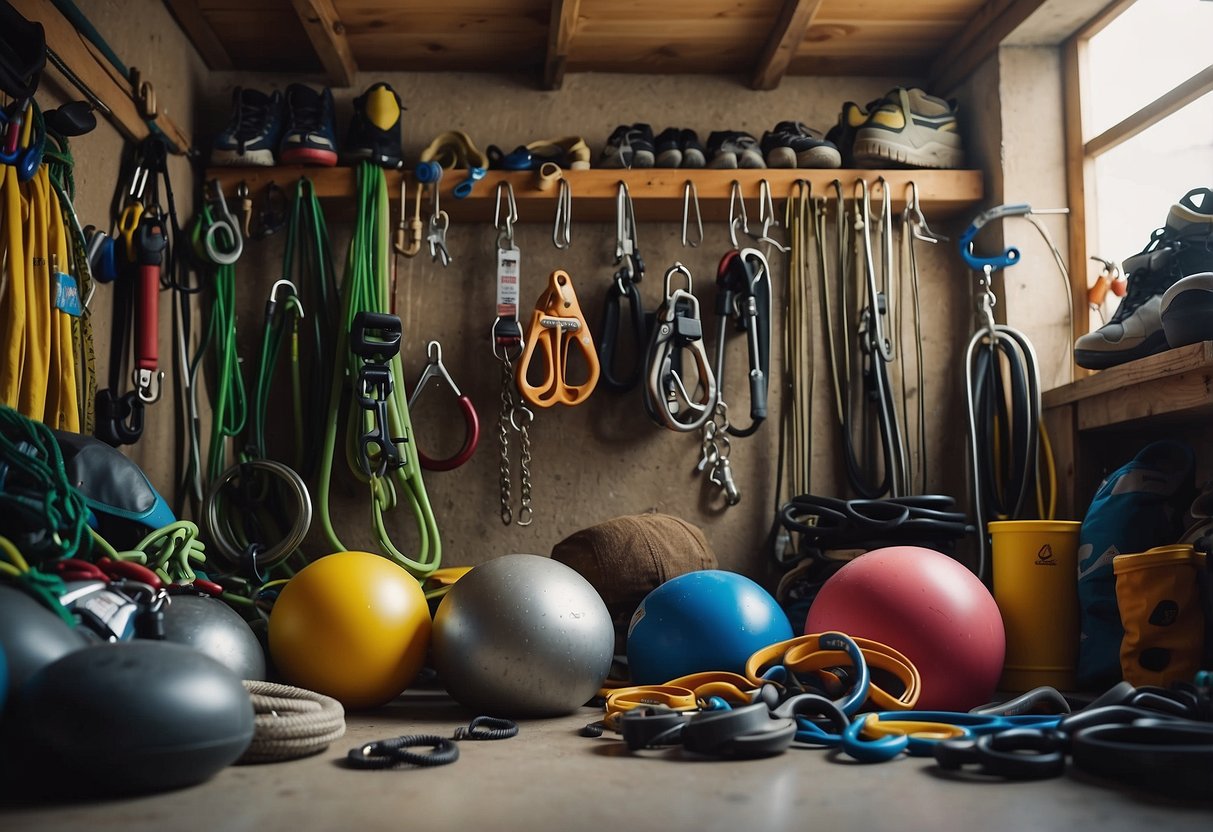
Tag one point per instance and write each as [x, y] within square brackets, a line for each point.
[291, 722]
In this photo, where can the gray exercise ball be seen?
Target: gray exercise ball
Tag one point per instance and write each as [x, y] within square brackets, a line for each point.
[522, 636]
[32, 636]
[210, 625]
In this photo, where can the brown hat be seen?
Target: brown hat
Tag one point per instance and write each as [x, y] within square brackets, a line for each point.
[628, 557]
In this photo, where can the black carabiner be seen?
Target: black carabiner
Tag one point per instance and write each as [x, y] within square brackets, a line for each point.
[119, 418]
[744, 294]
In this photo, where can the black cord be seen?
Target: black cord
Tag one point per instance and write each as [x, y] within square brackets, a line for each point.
[396, 750]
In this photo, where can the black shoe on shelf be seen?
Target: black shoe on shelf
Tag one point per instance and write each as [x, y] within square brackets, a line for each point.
[729, 149]
[375, 127]
[669, 148]
[630, 146]
[793, 145]
[692, 151]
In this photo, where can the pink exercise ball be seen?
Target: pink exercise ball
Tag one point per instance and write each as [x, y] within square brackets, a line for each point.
[931, 609]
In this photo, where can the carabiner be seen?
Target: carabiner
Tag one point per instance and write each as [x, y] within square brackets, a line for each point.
[562, 230]
[737, 213]
[414, 226]
[435, 369]
[505, 230]
[678, 328]
[690, 194]
[744, 293]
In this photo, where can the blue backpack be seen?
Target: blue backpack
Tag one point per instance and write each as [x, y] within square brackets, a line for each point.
[1139, 506]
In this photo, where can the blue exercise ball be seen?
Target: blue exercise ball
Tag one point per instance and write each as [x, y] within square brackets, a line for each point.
[707, 620]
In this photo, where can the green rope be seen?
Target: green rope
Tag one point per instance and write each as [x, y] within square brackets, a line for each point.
[38, 505]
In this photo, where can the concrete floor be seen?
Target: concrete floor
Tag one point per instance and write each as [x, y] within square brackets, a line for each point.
[549, 778]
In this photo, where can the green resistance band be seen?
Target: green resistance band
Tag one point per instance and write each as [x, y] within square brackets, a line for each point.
[367, 289]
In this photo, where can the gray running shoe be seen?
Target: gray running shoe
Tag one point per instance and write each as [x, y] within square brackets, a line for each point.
[729, 149]
[910, 128]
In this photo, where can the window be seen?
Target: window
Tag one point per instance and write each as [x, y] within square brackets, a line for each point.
[1141, 131]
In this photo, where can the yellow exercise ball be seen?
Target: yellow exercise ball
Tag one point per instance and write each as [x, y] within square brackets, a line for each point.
[352, 625]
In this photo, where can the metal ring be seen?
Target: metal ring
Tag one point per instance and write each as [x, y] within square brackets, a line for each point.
[283, 548]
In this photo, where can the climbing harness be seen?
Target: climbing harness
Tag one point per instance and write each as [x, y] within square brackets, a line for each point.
[508, 347]
[678, 330]
[557, 328]
[437, 371]
[1003, 401]
[623, 287]
[368, 390]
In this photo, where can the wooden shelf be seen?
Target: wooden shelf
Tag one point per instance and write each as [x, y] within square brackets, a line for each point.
[1176, 384]
[656, 192]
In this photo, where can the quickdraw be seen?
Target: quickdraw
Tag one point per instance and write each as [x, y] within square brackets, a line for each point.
[507, 348]
[623, 287]
[557, 327]
[743, 294]
[678, 330]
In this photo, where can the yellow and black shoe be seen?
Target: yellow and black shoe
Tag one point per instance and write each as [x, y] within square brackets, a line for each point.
[842, 134]
[375, 128]
[912, 129]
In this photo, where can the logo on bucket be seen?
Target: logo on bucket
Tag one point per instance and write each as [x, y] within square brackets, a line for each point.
[1045, 556]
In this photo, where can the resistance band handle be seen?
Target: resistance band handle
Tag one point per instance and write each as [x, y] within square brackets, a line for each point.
[147, 333]
[375, 336]
[470, 441]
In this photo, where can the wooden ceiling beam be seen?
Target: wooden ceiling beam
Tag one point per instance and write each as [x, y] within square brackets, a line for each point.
[979, 39]
[327, 34]
[200, 32]
[560, 37]
[790, 27]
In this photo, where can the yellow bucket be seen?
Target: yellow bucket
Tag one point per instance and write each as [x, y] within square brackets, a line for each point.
[1036, 586]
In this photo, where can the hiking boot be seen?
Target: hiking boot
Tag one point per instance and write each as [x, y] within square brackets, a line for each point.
[375, 128]
[630, 146]
[842, 135]
[729, 149]
[252, 134]
[910, 128]
[309, 137]
[791, 144]
[1182, 247]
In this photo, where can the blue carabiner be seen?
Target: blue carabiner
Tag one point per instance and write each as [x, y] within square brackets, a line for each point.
[464, 189]
[1010, 256]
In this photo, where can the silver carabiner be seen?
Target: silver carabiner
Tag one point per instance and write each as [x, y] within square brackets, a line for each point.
[625, 223]
[737, 213]
[562, 230]
[505, 230]
[690, 195]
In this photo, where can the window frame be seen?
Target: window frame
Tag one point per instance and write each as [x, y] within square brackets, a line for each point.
[1081, 154]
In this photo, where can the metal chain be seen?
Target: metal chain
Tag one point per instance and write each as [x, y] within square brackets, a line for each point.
[716, 448]
[503, 436]
[525, 513]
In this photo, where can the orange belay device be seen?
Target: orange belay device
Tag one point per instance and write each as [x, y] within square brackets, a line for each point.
[557, 325]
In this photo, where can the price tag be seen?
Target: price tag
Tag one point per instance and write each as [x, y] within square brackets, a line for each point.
[507, 282]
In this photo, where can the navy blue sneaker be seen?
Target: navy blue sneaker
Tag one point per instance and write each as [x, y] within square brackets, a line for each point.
[309, 137]
[375, 127]
[254, 131]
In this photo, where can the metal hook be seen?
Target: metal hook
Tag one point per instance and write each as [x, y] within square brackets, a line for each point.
[913, 217]
[768, 218]
[562, 230]
[737, 213]
[290, 286]
[505, 231]
[690, 194]
[625, 223]
[413, 247]
[677, 268]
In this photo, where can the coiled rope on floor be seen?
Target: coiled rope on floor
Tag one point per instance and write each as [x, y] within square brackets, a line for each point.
[291, 722]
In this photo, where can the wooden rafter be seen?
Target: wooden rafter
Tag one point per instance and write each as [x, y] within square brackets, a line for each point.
[786, 36]
[560, 37]
[196, 27]
[327, 34]
[979, 39]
